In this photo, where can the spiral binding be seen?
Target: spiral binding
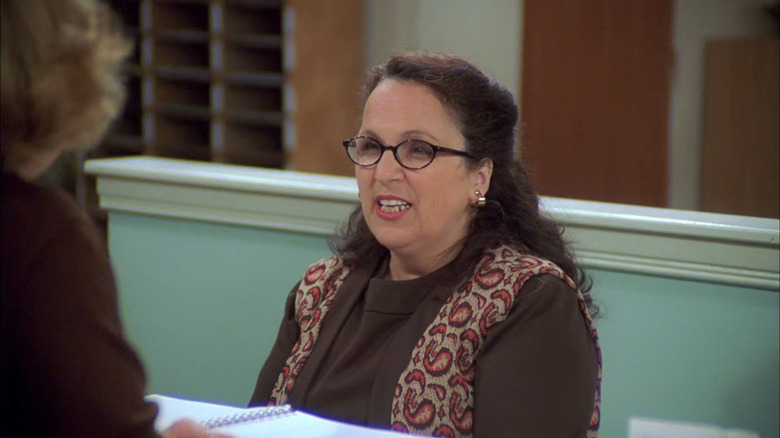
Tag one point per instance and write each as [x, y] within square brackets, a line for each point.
[250, 415]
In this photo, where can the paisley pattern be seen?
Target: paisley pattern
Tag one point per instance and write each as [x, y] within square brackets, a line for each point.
[313, 299]
[434, 395]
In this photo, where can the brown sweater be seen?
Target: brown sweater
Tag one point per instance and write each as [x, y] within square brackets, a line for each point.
[67, 369]
[535, 376]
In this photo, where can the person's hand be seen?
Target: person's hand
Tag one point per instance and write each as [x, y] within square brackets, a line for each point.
[187, 428]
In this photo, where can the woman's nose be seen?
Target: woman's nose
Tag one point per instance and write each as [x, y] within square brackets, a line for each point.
[388, 167]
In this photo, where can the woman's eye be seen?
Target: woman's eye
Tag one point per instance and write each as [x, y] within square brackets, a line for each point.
[420, 149]
[368, 146]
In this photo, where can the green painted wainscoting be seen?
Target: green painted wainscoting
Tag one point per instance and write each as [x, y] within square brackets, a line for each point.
[687, 351]
[203, 301]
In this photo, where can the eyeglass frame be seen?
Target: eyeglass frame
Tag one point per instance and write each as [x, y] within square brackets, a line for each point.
[436, 150]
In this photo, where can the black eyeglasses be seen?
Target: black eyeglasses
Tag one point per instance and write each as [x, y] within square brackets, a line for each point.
[411, 154]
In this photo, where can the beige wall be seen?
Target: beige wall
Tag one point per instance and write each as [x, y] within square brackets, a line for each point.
[487, 32]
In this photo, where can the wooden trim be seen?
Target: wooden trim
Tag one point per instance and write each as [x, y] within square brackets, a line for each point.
[741, 132]
[596, 80]
[326, 79]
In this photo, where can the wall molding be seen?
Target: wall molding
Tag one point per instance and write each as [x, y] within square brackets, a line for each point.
[697, 246]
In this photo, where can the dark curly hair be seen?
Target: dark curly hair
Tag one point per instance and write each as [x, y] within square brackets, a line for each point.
[487, 116]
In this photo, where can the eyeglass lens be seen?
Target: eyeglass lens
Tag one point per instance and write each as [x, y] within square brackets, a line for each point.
[410, 153]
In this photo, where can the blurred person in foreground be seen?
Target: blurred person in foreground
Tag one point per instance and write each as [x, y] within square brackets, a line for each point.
[67, 369]
[453, 307]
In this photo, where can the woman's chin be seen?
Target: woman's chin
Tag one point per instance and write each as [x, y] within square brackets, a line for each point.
[393, 240]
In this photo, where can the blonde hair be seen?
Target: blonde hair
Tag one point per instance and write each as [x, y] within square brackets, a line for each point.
[60, 83]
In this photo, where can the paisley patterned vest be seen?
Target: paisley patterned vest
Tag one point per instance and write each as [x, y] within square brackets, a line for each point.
[434, 395]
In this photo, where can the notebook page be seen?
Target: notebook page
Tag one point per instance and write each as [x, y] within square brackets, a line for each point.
[172, 409]
[291, 425]
[301, 424]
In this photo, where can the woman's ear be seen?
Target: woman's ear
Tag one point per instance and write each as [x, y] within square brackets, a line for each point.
[480, 176]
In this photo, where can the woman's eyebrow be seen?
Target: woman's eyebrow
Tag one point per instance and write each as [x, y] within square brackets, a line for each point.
[419, 132]
[412, 133]
[370, 133]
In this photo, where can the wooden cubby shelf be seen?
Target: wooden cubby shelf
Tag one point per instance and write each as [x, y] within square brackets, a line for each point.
[205, 82]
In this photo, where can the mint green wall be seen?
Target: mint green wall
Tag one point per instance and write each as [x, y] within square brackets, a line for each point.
[203, 301]
[687, 351]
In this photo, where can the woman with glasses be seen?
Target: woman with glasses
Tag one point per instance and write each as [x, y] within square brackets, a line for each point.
[452, 306]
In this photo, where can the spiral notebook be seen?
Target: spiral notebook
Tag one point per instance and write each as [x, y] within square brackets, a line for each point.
[268, 421]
